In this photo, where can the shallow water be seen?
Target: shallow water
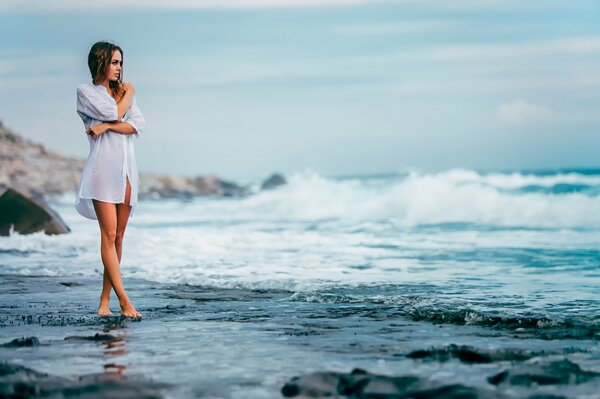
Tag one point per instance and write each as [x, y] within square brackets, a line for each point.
[239, 295]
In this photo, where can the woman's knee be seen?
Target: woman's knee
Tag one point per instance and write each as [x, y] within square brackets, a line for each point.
[109, 236]
[119, 237]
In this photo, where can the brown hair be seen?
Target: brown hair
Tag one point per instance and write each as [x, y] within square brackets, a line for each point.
[99, 60]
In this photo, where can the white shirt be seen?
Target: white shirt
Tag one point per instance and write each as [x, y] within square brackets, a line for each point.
[112, 156]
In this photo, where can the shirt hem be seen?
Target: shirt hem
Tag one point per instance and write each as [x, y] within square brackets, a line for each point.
[110, 202]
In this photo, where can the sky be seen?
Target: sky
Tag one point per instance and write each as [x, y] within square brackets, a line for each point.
[244, 88]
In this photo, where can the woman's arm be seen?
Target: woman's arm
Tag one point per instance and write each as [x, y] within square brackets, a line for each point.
[134, 123]
[125, 102]
[122, 127]
[96, 131]
[96, 106]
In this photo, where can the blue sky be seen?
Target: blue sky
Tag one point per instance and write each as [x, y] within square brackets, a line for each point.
[243, 88]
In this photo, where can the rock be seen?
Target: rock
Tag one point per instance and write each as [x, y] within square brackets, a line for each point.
[551, 373]
[28, 215]
[17, 381]
[362, 384]
[467, 354]
[22, 342]
[97, 337]
[35, 170]
[162, 186]
[275, 180]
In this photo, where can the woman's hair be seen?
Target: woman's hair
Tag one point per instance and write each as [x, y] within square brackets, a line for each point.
[99, 61]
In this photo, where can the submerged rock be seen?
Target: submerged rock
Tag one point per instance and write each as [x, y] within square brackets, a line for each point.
[17, 381]
[467, 354]
[22, 342]
[28, 215]
[275, 180]
[557, 372]
[362, 384]
[97, 338]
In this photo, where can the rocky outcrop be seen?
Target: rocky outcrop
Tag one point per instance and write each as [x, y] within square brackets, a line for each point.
[157, 186]
[39, 172]
[28, 215]
[275, 180]
[33, 169]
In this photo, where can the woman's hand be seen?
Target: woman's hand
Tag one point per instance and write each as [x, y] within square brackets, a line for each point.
[97, 130]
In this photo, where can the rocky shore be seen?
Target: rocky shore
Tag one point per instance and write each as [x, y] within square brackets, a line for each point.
[39, 172]
[201, 341]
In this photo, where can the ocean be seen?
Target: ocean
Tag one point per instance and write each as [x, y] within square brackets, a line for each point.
[397, 274]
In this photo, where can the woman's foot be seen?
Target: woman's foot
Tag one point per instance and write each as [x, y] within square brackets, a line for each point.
[103, 309]
[128, 310]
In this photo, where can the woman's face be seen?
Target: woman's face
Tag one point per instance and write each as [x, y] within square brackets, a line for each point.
[114, 68]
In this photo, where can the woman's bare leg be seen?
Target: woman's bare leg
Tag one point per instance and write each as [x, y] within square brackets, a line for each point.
[107, 219]
[104, 308]
[123, 212]
[122, 219]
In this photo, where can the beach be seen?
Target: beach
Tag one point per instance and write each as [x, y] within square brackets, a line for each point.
[450, 284]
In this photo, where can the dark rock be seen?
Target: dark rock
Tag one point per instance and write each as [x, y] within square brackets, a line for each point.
[21, 342]
[28, 215]
[275, 180]
[321, 384]
[21, 382]
[360, 384]
[467, 354]
[228, 188]
[97, 337]
[552, 373]
[70, 284]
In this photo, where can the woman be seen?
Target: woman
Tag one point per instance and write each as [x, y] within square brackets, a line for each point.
[109, 182]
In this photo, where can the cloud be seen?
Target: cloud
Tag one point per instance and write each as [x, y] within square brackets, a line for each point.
[520, 112]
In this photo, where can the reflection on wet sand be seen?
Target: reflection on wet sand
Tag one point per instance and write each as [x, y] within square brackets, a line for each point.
[114, 347]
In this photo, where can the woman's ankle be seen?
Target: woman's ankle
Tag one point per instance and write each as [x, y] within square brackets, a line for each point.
[124, 302]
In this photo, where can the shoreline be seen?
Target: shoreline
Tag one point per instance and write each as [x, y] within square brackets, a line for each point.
[197, 341]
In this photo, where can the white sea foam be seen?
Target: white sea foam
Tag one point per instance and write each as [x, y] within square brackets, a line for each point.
[448, 228]
[455, 196]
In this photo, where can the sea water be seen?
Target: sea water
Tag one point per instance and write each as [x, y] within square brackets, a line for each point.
[514, 251]
[506, 243]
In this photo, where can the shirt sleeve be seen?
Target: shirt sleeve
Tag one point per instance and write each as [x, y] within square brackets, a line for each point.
[92, 104]
[135, 118]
